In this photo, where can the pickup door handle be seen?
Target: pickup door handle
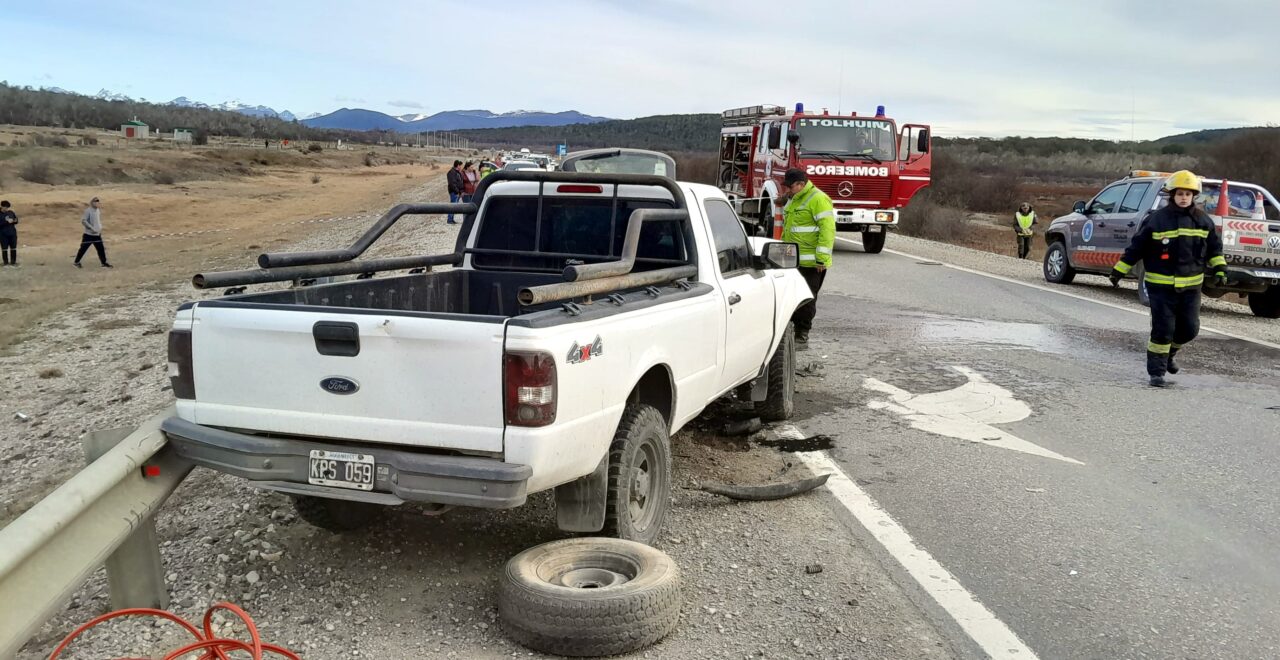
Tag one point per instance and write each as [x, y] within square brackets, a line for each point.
[1130, 224]
[734, 299]
[338, 338]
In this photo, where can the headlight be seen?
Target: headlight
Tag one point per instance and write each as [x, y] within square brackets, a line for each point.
[884, 216]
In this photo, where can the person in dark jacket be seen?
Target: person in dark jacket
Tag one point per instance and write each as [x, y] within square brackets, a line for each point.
[1176, 244]
[8, 234]
[456, 184]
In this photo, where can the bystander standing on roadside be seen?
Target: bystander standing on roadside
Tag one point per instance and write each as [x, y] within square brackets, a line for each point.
[91, 221]
[1023, 219]
[8, 234]
[455, 181]
[470, 177]
[808, 221]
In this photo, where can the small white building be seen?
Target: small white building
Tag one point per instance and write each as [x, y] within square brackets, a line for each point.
[183, 134]
[135, 129]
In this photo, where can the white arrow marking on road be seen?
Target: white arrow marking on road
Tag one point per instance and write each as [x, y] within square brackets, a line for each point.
[966, 412]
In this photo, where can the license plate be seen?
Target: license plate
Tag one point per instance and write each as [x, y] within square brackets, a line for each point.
[341, 469]
[874, 229]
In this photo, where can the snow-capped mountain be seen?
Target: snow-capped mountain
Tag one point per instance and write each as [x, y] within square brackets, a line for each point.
[235, 106]
[108, 95]
[358, 119]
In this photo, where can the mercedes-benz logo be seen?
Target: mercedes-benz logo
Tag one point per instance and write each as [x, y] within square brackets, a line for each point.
[845, 188]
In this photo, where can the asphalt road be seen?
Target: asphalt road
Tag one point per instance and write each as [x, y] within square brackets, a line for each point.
[1149, 527]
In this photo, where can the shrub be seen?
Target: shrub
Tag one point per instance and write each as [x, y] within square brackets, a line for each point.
[43, 140]
[37, 170]
[110, 161]
[1250, 157]
[698, 167]
[925, 218]
[369, 160]
[315, 178]
[87, 141]
[315, 148]
[52, 372]
[164, 178]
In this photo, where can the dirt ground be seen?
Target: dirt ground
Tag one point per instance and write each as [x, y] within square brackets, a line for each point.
[229, 201]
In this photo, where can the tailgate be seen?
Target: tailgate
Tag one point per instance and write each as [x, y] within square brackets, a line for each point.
[412, 380]
[1252, 245]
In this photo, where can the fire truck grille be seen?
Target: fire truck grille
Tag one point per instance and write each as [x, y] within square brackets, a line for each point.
[864, 189]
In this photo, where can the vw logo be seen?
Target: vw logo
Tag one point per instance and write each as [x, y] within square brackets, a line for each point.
[1273, 242]
[845, 189]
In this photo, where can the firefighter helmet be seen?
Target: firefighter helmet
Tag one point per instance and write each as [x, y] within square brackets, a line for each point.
[1183, 179]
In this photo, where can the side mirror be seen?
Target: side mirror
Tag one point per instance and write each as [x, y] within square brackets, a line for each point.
[793, 137]
[922, 143]
[781, 255]
[775, 137]
[1078, 208]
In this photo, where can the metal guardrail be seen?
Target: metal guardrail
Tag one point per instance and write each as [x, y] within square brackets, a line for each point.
[103, 514]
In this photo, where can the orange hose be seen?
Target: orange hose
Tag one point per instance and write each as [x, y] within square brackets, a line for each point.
[214, 647]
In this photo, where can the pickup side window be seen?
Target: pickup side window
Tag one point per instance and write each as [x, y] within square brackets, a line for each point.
[571, 230]
[733, 252]
[1108, 200]
[1133, 199]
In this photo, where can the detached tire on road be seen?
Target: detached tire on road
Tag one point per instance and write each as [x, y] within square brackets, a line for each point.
[589, 597]
[1057, 268]
[639, 491]
[873, 242]
[336, 515]
[781, 374]
[1266, 304]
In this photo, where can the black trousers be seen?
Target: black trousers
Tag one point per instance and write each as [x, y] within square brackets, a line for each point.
[9, 246]
[1175, 321]
[1024, 246]
[96, 242]
[803, 318]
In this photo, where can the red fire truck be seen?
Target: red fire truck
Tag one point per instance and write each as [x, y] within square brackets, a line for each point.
[866, 165]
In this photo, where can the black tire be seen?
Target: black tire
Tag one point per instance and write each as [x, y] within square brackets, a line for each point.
[873, 243]
[336, 515]
[589, 597]
[639, 476]
[1266, 304]
[1139, 273]
[781, 373]
[1057, 267]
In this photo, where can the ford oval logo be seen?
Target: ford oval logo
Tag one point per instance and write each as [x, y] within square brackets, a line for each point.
[339, 385]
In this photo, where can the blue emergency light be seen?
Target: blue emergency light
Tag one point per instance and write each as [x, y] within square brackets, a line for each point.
[879, 110]
[799, 108]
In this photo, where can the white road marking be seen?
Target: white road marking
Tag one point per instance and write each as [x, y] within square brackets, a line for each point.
[966, 412]
[1059, 291]
[979, 623]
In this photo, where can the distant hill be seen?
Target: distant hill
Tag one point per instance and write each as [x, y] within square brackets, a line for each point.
[356, 119]
[1214, 135]
[700, 132]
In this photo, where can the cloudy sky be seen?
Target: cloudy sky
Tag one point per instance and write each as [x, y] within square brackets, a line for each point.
[1087, 68]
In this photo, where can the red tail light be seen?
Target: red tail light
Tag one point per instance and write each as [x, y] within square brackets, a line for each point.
[578, 188]
[530, 388]
[181, 376]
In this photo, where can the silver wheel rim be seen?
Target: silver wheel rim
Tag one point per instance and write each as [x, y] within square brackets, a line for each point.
[643, 486]
[592, 578]
[1055, 263]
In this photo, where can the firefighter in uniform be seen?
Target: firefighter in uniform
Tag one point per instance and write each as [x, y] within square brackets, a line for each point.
[808, 220]
[1176, 244]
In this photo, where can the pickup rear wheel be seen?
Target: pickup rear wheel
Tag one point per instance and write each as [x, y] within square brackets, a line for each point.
[1266, 304]
[335, 515]
[1057, 268]
[781, 373]
[639, 491]
[873, 242]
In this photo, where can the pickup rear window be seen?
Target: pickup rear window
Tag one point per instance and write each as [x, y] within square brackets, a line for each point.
[571, 230]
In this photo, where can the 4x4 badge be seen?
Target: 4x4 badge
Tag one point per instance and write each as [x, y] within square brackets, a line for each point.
[579, 354]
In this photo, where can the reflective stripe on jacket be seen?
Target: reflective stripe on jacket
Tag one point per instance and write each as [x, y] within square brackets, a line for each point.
[1176, 246]
[809, 220]
[1025, 221]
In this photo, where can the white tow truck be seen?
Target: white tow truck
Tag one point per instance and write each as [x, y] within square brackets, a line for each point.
[587, 317]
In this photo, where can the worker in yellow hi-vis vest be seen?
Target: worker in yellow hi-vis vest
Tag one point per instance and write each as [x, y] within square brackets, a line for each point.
[1024, 218]
[809, 221]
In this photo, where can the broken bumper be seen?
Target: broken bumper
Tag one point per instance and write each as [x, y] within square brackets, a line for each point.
[283, 464]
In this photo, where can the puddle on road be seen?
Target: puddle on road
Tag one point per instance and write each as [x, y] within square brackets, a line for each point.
[1003, 333]
[815, 443]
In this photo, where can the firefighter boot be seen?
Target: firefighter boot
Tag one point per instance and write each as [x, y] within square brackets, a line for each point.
[1173, 366]
[1157, 364]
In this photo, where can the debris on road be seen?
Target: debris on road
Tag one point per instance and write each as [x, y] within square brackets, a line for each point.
[812, 443]
[813, 569]
[743, 427]
[1035, 490]
[810, 370]
[767, 492]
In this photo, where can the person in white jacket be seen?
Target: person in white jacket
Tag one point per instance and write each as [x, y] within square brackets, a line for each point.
[92, 221]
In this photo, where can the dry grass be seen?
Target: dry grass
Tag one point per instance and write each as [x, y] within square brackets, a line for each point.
[928, 219]
[112, 324]
[52, 372]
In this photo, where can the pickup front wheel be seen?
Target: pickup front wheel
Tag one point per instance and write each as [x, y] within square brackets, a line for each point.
[1057, 268]
[779, 404]
[639, 476]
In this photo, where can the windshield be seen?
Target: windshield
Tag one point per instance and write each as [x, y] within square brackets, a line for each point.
[846, 137]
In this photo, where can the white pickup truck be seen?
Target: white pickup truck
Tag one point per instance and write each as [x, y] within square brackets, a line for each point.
[588, 317]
